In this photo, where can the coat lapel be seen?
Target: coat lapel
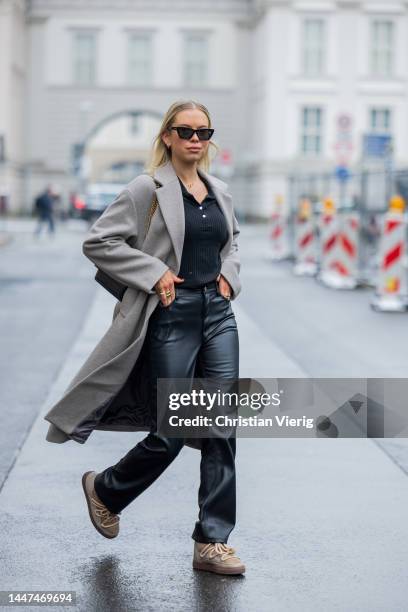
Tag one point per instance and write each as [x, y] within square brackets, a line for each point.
[170, 199]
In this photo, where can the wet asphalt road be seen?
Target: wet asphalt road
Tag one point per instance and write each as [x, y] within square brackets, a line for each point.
[321, 524]
[45, 293]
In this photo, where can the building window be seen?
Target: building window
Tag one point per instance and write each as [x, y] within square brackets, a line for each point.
[84, 57]
[139, 59]
[195, 59]
[380, 120]
[313, 49]
[311, 143]
[382, 48]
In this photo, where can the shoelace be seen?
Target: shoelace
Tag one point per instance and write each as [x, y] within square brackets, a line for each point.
[218, 548]
[102, 511]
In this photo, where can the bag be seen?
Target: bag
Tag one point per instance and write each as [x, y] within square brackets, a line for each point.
[116, 288]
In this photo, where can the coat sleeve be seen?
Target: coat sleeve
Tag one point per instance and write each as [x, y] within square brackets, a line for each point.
[106, 245]
[231, 265]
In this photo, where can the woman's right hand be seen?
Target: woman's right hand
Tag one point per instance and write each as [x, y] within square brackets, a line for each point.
[166, 284]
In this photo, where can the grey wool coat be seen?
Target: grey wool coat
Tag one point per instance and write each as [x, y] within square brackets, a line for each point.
[110, 390]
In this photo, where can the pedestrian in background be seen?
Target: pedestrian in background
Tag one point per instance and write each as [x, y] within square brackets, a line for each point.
[44, 208]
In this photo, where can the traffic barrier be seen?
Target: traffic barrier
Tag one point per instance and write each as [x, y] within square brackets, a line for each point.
[305, 241]
[346, 262]
[328, 230]
[279, 234]
[339, 245]
[391, 291]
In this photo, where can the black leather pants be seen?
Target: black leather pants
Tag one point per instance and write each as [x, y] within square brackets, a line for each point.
[198, 324]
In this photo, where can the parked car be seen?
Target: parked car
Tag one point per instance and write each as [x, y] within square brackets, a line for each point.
[90, 205]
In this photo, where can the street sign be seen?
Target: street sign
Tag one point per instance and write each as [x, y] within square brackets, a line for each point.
[377, 145]
[343, 146]
[344, 122]
[224, 164]
[342, 173]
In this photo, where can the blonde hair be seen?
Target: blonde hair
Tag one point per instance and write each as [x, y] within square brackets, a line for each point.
[160, 154]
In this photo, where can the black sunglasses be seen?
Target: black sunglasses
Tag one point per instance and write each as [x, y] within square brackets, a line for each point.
[187, 132]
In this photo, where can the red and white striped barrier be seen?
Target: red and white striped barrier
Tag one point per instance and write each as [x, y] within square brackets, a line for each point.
[391, 291]
[339, 250]
[328, 228]
[279, 234]
[305, 247]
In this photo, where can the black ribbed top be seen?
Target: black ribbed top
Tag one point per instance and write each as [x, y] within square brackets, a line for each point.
[206, 232]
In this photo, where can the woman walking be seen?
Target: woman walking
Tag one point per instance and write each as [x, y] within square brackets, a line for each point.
[192, 323]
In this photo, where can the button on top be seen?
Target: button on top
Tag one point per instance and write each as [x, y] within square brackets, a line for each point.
[205, 238]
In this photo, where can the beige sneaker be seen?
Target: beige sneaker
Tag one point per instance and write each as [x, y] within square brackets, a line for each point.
[217, 557]
[102, 519]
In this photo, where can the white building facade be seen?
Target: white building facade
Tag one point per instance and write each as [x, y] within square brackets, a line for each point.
[13, 103]
[324, 74]
[292, 86]
[91, 61]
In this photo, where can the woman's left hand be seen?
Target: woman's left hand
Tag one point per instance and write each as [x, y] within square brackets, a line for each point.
[223, 286]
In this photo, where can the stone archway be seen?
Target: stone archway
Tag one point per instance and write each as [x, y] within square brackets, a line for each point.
[116, 148]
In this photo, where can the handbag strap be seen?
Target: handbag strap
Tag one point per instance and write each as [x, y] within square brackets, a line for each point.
[153, 206]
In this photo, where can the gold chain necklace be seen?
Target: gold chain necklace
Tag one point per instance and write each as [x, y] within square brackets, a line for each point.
[189, 185]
